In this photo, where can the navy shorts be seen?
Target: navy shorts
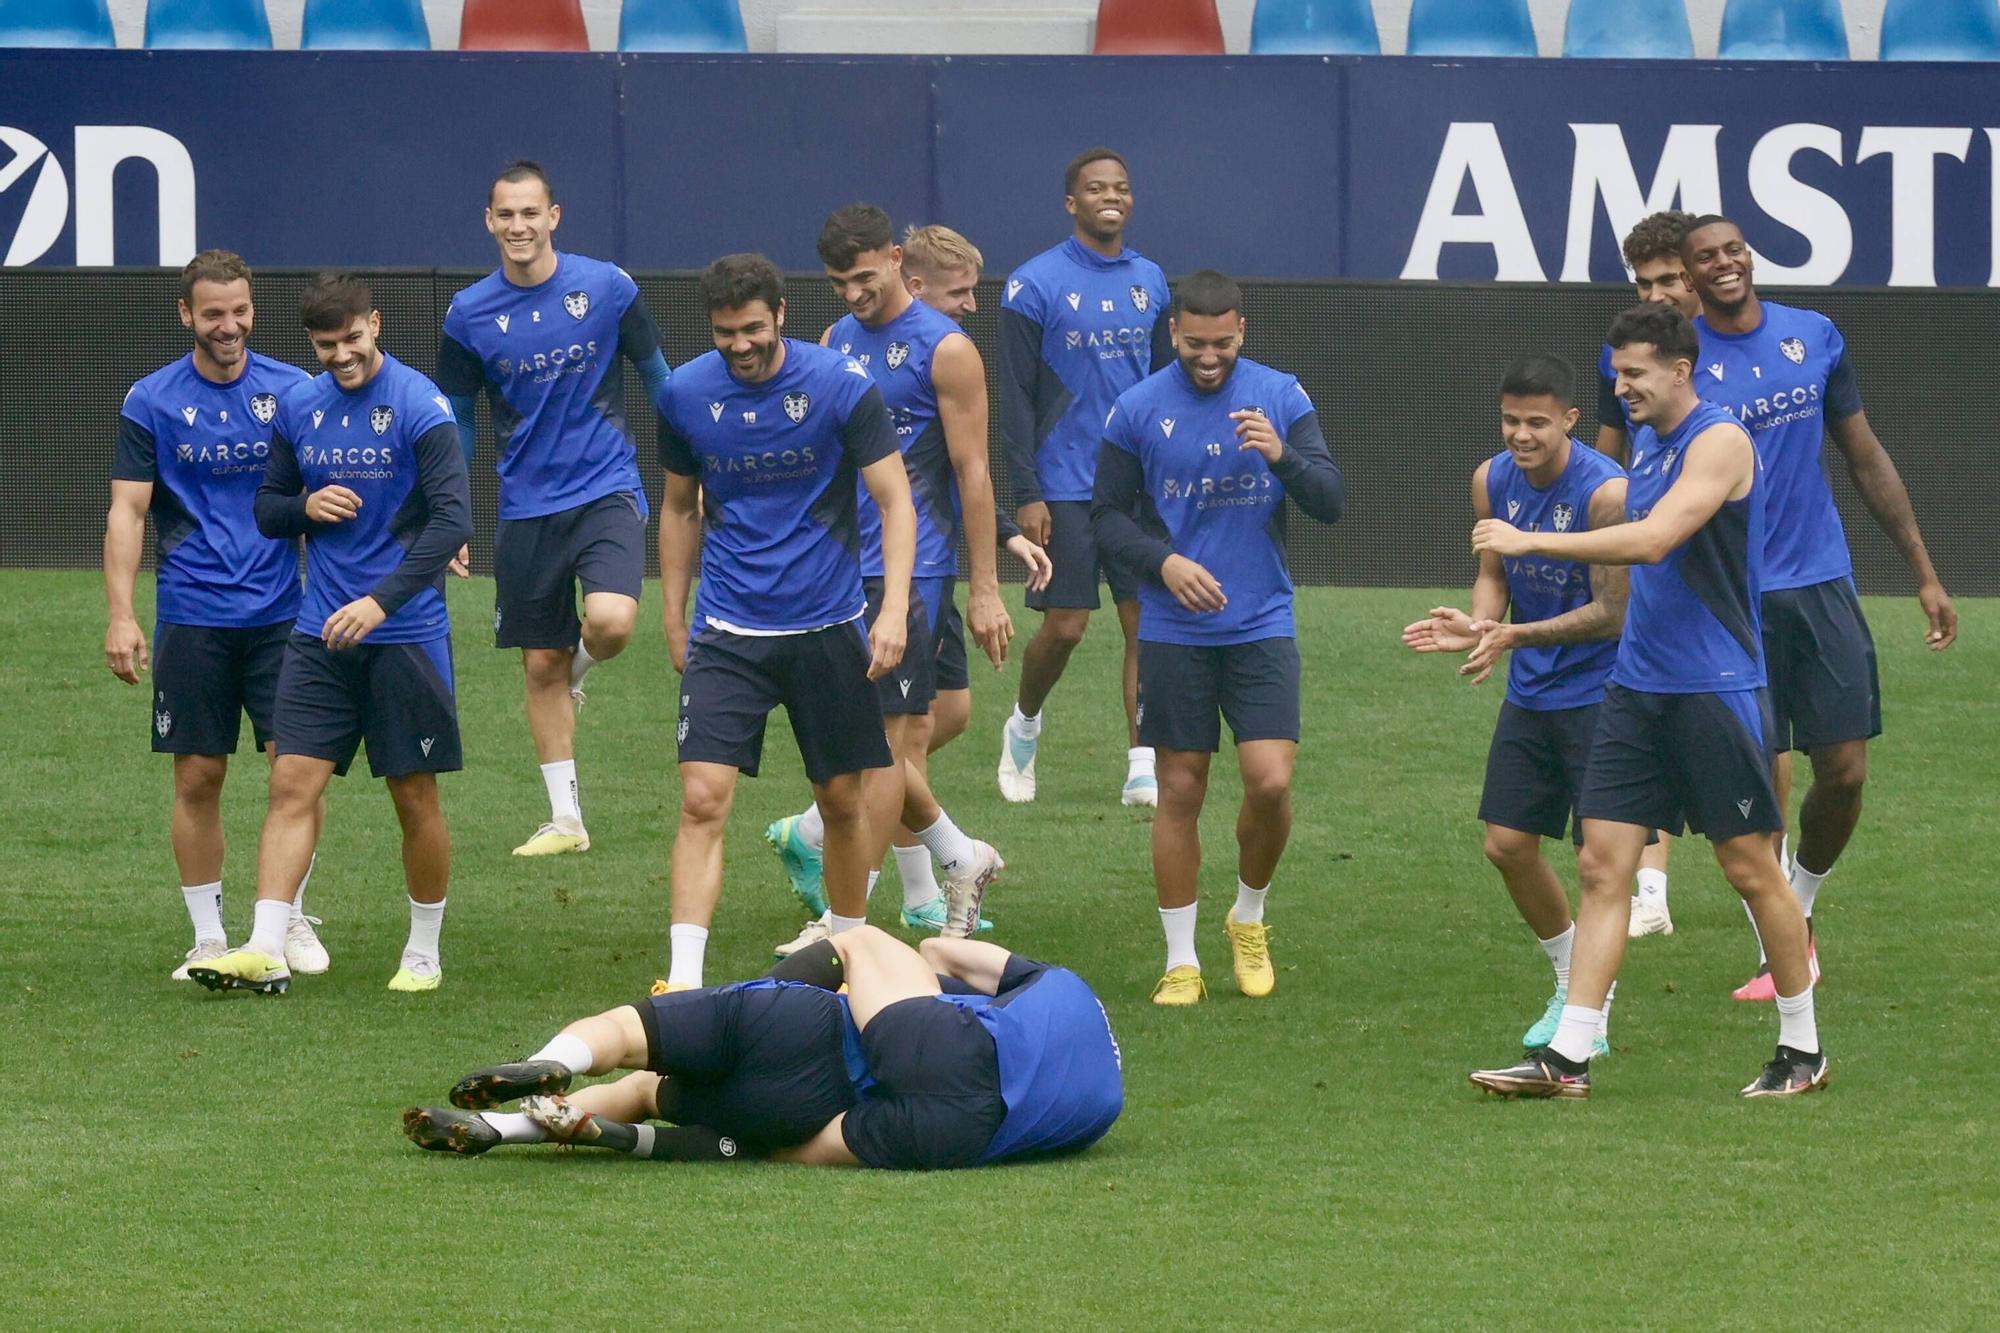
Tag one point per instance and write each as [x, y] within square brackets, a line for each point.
[759, 1062]
[953, 671]
[936, 1102]
[537, 563]
[395, 696]
[1668, 761]
[909, 689]
[1821, 660]
[1185, 690]
[1535, 768]
[733, 681]
[206, 678]
[1073, 549]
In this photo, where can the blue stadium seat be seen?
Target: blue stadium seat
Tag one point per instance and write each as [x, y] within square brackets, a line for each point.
[1941, 30]
[1783, 30]
[1471, 28]
[56, 23]
[1315, 27]
[365, 25]
[681, 25]
[207, 25]
[1629, 30]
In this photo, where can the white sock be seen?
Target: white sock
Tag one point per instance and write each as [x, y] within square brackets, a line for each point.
[1577, 1033]
[1139, 762]
[299, 898]
[1763, 959]
[642, 1146]
[953, 850]
[1178, 923]
[1785, 855]
[514, 1127]
[1557, 947]
[568, 1050]
[560, 779]
[920, 884]
[836, 924]
[204, 904]
[267, 936]
[426, 920]
[1027, 728]
[1609, 996]
[1653, 886]
[812, 828]
[1797, 1027]
[580, 662]
[1806, 885]
[689, 945]
[1249, 903]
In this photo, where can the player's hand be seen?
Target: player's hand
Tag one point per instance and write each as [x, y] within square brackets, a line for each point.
[1495, 639]
[1499, 536]
[332, 504]
[461, 564]
[992, 628]
[1192, 586]
[1446, 630]
[1941, 614]
[1255, 431]
[677, 642]
[889, 636]
[1040, 568]
[1035, 522]
[348, 626]
[125, 649]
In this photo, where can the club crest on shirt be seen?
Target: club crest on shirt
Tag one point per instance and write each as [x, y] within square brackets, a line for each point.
[1513, 508]
[1564, 516]
[1794, 350]
[797, 405]
[264, 406]
[577, 303]
[163, 721]
[380, 417]
[1141, 299]
[897, 354]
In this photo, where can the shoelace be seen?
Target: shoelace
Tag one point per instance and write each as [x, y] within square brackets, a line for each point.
[309, 920]
[1256, 947]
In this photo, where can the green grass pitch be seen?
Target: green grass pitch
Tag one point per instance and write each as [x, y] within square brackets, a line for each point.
[1317, 1159]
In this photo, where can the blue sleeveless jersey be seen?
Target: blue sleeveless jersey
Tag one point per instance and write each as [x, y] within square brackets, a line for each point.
[202, 447]
[1568, 675]
[898, 356]
[1784, 381]
[1694, 624]
[1061, 1074]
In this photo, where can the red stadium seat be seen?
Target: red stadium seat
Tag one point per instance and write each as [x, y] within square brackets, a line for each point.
[523, 25]
[1158, 28]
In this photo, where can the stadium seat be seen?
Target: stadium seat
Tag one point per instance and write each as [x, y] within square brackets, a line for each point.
[365, 25]
[1471, 28]
[1783, 30]
[1941, 30]
[207, 25]
[523, 25]
[1158, 28]
[681, 25]
[1314, 27]
[1628, 30]
[70, 23]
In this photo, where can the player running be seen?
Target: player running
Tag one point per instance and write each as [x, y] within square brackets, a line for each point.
[998, 1059]
[542, 336]
[1207, 451]
[1080, 324]
[1563, 637]
[1786, 376]
[767, 436]
[1684, 731]
[365, 466]
[192, 439]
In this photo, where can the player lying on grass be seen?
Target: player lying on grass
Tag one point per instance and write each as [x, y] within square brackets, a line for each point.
[997, 1058]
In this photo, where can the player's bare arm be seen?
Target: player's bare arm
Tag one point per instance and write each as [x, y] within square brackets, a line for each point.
[888, 484]
[680, 540]
[1882, 490]
[125, 649]
[1602, 617]
[959, 375]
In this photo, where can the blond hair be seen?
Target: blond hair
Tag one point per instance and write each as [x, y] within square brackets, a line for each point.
[936, 249]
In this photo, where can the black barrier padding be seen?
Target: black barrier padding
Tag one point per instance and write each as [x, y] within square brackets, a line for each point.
[1404, 375]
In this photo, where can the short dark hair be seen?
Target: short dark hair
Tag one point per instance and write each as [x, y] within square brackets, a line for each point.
[1538, 375]
[333, 301]
[1666, 328]
[1708, 220]
[853, 231]
[1207, 292]
[1084, 159]
[1658, 236]
[736, 280]
[212, 266]
[522, 169]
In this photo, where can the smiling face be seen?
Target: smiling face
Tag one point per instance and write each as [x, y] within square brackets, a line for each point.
[749, 336]
[1719, 261]
[1535, 429]
[1208, 346]
[350, 352]
[522, 221]
[950, 292]
[1665, 280]
[1101, 201]
[220, 316]
[872, 286]
[1647, 381]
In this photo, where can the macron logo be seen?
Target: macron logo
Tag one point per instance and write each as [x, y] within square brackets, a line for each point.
[715, 411]
[1743, 808]
[1075, 300]
[1166, 427]
[906, 687]
[319, 415]
[188, 414]
[425, 745]
[1013, 289]
[502, 321]
[1715, 369]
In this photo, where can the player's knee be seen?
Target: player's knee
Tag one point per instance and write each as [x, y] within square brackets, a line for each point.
[608, 625]
[704, 802]
[1598, 872]
[1508, 849]
[294, 794]
[1182, 787]
[1842, 770]
[1063, 629]
[546, 668]
[1268, 788]
[198, 778]
[416, 798]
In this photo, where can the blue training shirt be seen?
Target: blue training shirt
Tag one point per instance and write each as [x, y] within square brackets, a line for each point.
[1076, 330]
[548, 357]
[1694, 624]
[393, 443]
[202, 447]
[777, 463]
[1171, 461]
[1551, 676]
[1785, 381]
[898, 356]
